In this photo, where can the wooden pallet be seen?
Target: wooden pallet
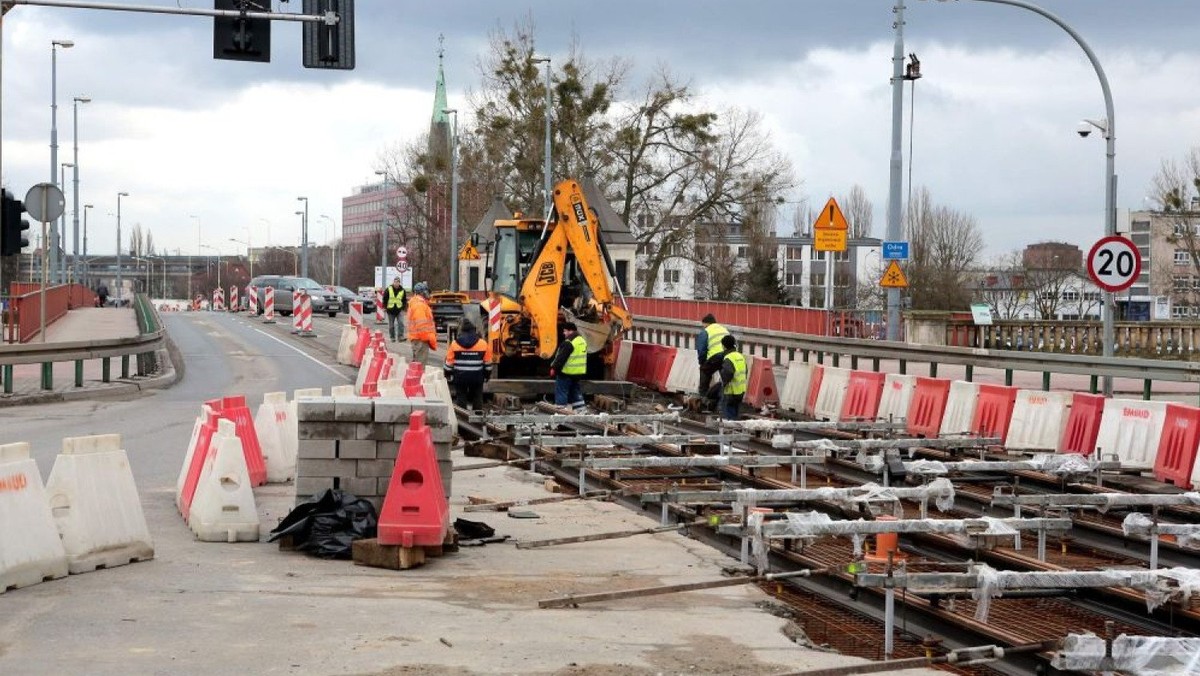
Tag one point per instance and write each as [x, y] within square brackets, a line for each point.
[395, 557]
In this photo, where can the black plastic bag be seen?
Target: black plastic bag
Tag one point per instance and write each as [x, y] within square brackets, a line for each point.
[328, 524]
[473, 530]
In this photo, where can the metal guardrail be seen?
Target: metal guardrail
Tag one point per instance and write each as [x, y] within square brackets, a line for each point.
[783, 347]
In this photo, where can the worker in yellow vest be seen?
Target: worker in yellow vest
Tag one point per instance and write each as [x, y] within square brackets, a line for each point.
[733, 379]
[709, 350]
[395, 301]
[568, 367]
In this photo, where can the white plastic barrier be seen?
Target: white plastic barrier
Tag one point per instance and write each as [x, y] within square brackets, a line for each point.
[960, 407]
[1130, 429]
[345, 351]
[1037, 420]
[392, 389]
[794, 395]
[223, 508]
[278, 450]
[398, 369]
[621, 368]
[896, 397]
[684, 376]
[95, 505]
[436, 387]
[363, 369]
[832, 394]
[30, 549]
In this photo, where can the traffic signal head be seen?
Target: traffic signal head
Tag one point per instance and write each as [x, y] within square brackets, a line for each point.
[329, 45]
[240, 38]
[12, 226]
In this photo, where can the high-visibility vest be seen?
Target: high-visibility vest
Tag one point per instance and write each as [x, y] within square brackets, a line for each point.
[715, 333]
[395, 297]
[577, 363]
[738, 384]
[421, 328]
[466, 360]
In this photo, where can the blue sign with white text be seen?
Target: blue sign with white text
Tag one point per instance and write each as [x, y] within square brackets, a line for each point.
[895, 251]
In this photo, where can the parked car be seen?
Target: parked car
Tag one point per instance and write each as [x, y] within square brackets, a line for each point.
[347, 296]
[323, 301]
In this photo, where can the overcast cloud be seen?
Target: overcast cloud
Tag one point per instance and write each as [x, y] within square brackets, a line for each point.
[235, 143]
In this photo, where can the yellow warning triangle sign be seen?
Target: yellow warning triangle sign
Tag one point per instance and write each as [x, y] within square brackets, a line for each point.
[831, 217]
[468, 253]
[893, 277]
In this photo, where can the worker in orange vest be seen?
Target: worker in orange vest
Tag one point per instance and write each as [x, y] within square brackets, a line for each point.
[422, 333]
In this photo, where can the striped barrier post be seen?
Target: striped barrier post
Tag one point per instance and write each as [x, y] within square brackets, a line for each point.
[494, 318]
[356, 312]
[233, 299]
[302, 313]
[379, 317]
[252, 297]
[269, 306]
[219, 300]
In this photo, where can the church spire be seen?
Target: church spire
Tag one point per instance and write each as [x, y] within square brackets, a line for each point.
[439, 122]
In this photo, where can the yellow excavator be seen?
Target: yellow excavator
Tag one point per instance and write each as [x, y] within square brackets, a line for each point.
[545, 272]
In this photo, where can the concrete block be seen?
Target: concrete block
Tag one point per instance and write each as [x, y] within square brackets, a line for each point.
[375, 468]
[317, 448]
[387, 450]
[442, 434]
[398, 431]
[307, 486]
[392, 410]
[382, 488]
[316, 409]
[442, 450]
[326, 430]
[373, 431]
[315, 467]
[356, 409]
[362, 488]
[436, 412]
[356, 449]
[446, 469]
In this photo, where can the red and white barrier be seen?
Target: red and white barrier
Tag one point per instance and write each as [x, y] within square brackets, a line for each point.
[223, 508]
[356, 310]
[301, 313]
[1130, 429]
[960, 408]
[832, 394]
[233, 299]
[1038, 419]
[624, 350]
[269, 306]
[896, 397]
[218, 303]
[379, 316]
[252, 297]
[273, 427]
[794, 394]
[494, 320]
[30, 548]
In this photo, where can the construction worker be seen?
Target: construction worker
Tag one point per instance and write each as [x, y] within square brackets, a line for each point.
[422, 333]
[395, 301]
[733, 379]
[708, 350]
[568, 367]
[468, 362]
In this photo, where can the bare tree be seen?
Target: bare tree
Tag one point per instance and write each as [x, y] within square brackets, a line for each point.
[1176, 191]
[859, 211]
[1002, 286]
[945, 243]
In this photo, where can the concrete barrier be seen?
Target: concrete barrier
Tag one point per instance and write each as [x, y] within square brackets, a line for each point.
[30, 549]
[223, 508]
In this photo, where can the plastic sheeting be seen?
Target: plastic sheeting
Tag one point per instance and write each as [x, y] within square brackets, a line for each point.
[941, 491]
[1057, 464]
[1141, 655]
[1140, 524]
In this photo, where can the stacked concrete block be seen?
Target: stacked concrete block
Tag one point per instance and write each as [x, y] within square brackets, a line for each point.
[350, 443]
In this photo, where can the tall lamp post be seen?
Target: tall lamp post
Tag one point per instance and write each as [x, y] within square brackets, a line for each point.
[87, 272]
[198, 246]
[546, 158]
[1108, 127]
[54, 234]
[75, 188]
[333, 279]
[383, 247]
[62, 176]
[454, 198]
[117, 291]
[304, 239]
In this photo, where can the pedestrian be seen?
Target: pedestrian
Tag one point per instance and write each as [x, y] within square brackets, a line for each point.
[102, 294]
[395, 301]
[568, 367]
[708, 350]
[468, 366]
[733, 379]
[422, 333]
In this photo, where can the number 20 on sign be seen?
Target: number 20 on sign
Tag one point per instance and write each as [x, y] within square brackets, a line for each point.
[1114, 263]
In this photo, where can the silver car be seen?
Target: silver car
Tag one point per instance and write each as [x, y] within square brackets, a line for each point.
[322, 299]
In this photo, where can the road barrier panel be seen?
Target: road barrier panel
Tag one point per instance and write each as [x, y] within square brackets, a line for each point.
[223, 509]
[1130, 430]
[794, 394]
[814, 389]
[684, 377]
[761, 389]
[30, 548]
[95, 504]
[993, 411]
[271, 424]
[959, 411]
[863, 393]
[1176, 456]
[660, 367]
[624, 351]
[1038, 420]
[1083, 425]
[831, 393]
[897, 397]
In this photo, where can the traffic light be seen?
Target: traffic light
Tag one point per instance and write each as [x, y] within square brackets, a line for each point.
[12, 226]
[328, 46]
[239, 38]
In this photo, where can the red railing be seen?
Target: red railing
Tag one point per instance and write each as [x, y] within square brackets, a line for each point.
[746, 315]
[23, 320]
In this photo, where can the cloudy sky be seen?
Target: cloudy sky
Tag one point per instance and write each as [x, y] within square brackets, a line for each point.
[234, 144]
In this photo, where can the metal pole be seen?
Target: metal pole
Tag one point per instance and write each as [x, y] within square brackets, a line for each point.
[895, 185]
[454, 204]
[304, 239]
[53, 148]
[383, 228]
[548, 166]
[117, 291]
[75, 190]
[86, 265]
[62, 224]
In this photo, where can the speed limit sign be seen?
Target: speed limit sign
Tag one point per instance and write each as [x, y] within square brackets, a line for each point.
[1114, 263]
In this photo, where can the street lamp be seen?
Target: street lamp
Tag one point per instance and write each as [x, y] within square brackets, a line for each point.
[383, 248]
[118, 290]
[54, 45]
[304, 228]
[546, 159]
[333, 279]
[304, 239]
[62, 176]
[454, 199]
[75, 180]
[87, 272]
[1108, 127]
[249, 257]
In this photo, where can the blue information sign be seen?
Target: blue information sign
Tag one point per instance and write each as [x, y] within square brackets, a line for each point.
[895, 251]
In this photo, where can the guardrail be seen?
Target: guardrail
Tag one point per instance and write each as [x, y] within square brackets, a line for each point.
[784, 347]
[145, 347]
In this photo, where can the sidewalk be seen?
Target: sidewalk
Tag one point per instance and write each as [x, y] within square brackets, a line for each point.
[79, 325]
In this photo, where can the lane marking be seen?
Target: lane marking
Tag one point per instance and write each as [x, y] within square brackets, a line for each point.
[327, 367]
